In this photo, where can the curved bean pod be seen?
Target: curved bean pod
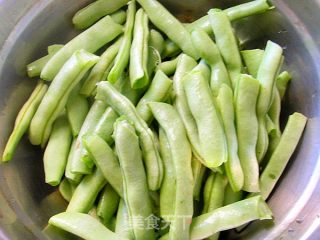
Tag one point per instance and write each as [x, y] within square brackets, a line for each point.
[57, 95]
[56, 154]
[228, 217]
[168, 187]
[158, 91]
[168, 67]
[212, 138]
[122, 58]
[23, 120]
[156, 47]
[247, 92]
[204, 68]
[123, 106]
[105, 160]
[211, 54]
[85, 17]
[171, 123]
[100, 69]
[233, 168]
[108, 204]
[86, 192]
[226, 42]
[268, 70]
[90, 40]
[281, 155]
[139, 76]
[83, 225]
[134, 177]
[168, 24]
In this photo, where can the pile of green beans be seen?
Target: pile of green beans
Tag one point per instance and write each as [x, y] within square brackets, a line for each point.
[157, 129]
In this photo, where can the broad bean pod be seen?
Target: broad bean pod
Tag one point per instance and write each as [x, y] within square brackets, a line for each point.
[108, 204]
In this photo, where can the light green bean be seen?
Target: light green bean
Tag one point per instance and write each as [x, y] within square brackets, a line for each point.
[247, 130]
[198, 171]
[123, 227]
[88, 15]
[23, 120]
[252, 60]
[282, 82]
[139, 76]
[108, 204]
[281, 155]
[83, 225]
[134, 178]
[168, 67]
[123, 55]
[90, 40]
[172, 125]
[123, 106]
[57, 95]
[56, 154]
[233, 168]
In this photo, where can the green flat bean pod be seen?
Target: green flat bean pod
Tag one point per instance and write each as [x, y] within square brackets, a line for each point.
[56, 154]
[247, 130]
[57, 95]
[77, 109]
[86, 192]
[134, 178]
[225, 102]
[226, 42]
[108, 204]
[252, 60]
[156, 47]
[212, 138]
[90, 40]
[168, 67]
[78, 163]
[204, 68]
[23, 120]
[138, 72]
[66, 189]
[198, 171]
[85, 17]
[211, 54]
[158, 91]
[123, 106]
[228, 217]
[282, 82]
[168, 24]
[34, 68]
[281, 155]
[105, 160]
[122, 223]
[180, 149]
[123, 55]
[83, 225]
[168, 187]
[268, 70]
[100, 69]
[72, 177]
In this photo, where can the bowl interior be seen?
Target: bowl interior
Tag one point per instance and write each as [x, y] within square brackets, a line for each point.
[26, 202]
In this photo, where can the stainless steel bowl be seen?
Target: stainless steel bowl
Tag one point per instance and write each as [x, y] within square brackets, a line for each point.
[28, 26]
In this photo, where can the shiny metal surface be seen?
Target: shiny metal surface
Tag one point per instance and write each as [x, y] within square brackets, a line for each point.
[28, 26]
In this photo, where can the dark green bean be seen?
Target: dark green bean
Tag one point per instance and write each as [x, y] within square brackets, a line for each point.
[23, 120]
[56, 154]
[123, 106]
[134, 178]
[90, 40]
[85, 17]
